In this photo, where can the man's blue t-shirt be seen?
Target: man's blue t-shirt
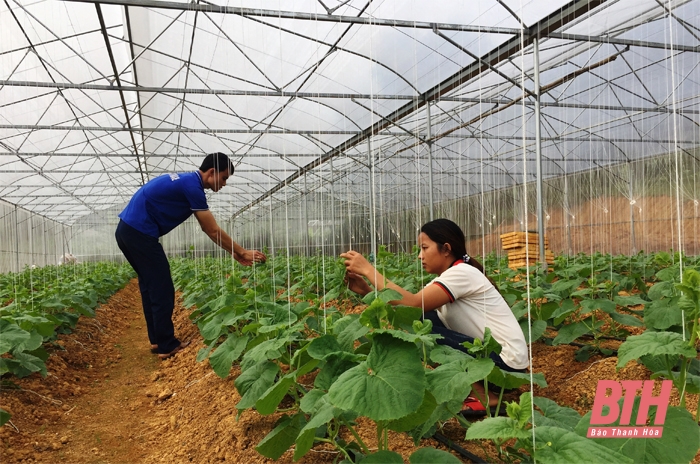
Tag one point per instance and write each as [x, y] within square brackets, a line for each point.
[165, 202]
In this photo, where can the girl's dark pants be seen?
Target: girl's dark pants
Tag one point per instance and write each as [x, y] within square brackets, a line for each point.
[146, 256]
[455, 339]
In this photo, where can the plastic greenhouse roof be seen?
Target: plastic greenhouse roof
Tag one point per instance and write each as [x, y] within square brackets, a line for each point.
[97, 98]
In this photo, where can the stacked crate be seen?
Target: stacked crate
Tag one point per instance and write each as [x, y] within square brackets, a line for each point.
[518, 250]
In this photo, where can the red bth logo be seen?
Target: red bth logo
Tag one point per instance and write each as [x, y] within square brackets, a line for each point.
[609, 392]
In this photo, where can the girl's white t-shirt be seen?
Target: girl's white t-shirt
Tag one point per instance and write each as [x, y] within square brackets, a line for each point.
[476, 304]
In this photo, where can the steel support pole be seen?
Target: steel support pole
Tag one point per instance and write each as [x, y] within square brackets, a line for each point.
[306, 217]
[430, 159]
[567, 216]
[17, 237]
[372, 218]
[43, 236]
[335, 251]
[633, 239]
[538, 152]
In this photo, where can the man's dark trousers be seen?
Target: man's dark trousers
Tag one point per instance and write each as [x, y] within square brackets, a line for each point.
[146, 256]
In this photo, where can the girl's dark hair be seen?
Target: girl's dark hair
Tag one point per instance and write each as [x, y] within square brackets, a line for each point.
[443, 231]
[219, 161]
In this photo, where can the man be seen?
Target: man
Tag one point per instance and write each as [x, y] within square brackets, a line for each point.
[155, 209]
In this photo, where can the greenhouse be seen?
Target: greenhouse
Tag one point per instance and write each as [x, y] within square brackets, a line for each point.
[561, 137]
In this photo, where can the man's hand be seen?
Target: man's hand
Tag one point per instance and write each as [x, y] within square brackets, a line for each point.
[248, 257]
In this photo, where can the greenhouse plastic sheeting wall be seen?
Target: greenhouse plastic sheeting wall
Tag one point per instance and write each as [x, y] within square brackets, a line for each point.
[29, 239]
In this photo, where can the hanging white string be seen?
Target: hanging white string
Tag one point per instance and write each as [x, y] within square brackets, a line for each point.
[676, 154]
[525, 219]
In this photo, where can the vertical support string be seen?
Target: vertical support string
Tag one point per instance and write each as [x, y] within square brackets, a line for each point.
[372, 210]
[430, 159]
[538, 153]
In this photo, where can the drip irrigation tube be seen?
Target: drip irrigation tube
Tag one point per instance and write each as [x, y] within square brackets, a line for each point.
[452, 445]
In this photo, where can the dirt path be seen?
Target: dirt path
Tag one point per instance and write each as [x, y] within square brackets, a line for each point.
[90, 408]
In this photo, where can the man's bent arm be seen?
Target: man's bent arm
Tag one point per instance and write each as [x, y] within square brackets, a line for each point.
[216, 234]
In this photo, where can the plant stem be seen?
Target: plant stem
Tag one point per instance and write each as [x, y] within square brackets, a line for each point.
[357, 437]
[335, 444]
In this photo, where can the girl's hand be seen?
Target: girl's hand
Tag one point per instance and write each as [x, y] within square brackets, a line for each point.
[357, 284]
[356, 263]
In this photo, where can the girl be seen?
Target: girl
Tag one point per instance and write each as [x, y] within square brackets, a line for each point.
[461, 302]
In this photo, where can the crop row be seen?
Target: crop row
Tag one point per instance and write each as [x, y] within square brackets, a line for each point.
[38, 304]
[284, 323]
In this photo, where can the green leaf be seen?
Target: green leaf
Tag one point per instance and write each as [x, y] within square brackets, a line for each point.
[519, 309]
[555, 445]
[268, 401]
[679, 443]
[255, 381]
[321, 347]
[657, 364]
[626, 319]
[444, 354]
[412, 420]
[282, 437]
[538, 328]
[332, 295]
[496, 428]
[453, 381]
[432, 456]
[547, 309]
[11, 335]
[309, 401]
[214, 327]
[349, 329]
[661, 290]
[31, 363]
[269, 349]
[655, 343]
[39, 324]
[662, 314]
[390, 384]
[524, 412]
[389, 294]
[508, 380]
[374, 314]
[428, 340]
[403, 316]
[588, 306]
[570, 332]
[305, 441]
[335, 365]
[34, 341]
[4, 417]
[382, 457]
[566, 307]
[632, 300]
[223, 357]
[555, 415]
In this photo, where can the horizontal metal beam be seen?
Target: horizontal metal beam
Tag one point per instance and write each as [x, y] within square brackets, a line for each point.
[309, 132]
[316, 95]
[279, 14]
[311, 96]
[158, 156]
[15, 188]
[626, 42]
[175, 129]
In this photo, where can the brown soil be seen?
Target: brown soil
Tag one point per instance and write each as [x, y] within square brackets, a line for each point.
[107, 399]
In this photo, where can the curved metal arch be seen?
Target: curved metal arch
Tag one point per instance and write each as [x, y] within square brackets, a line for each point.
[342, 49]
